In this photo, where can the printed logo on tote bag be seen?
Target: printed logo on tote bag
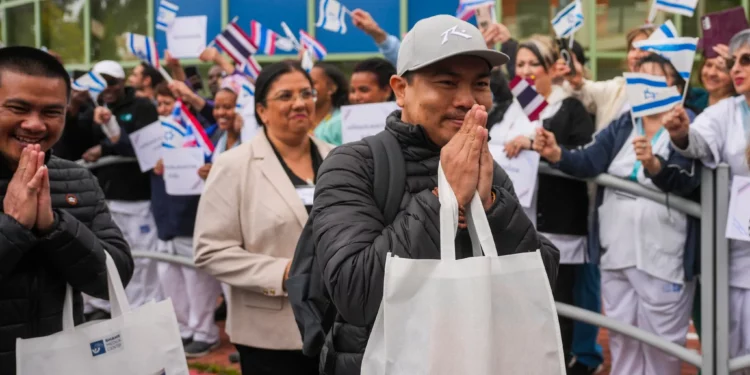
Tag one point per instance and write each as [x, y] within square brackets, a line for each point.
[106, 345]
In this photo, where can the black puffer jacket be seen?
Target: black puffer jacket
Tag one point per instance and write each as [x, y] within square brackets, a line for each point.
[34, 271]
[351, 239]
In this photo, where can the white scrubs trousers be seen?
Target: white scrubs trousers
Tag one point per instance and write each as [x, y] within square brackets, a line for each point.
[739, 325]
[634, 297]
[194, 293]
[139, 229]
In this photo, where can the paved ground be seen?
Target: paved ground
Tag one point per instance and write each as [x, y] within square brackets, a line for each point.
[220, 356]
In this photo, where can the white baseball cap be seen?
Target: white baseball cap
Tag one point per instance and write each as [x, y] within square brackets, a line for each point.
[439, 37]
[110, 68]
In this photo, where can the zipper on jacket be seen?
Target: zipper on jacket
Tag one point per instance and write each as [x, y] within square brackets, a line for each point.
[34, 296]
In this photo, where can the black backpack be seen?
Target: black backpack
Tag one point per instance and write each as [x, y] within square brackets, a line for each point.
[312, 306]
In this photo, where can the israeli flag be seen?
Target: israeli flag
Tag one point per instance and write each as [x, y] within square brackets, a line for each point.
[649, 94]
[568, 20]
[679, 51]
[166, 16]
[665, 31]
[332, 16]
[143, 47]
[91, 82]
[682, 7]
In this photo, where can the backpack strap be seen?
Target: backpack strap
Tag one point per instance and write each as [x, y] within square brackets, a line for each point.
[389, 181]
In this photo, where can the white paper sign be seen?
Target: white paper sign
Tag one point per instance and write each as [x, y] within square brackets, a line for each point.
[147, 145]
[362, 120]
[738, 222]
[186, 39]
[181, 170]
[522, 170]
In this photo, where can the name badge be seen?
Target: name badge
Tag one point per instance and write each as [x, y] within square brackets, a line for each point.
[306, 194]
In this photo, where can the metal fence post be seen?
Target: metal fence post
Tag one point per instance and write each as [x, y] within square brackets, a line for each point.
[707, 277]
[722, 270]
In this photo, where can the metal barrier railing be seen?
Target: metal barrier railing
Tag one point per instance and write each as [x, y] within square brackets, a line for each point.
[714, 332]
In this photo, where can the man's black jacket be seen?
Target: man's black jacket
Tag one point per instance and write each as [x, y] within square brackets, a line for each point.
[352, 240]
[34, 270]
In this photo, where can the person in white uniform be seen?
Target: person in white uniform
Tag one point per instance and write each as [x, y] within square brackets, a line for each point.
[125, 187]
[720, 135]
[647, 250]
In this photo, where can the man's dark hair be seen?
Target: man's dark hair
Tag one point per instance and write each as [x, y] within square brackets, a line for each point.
[341, 96]
[33, 62]
[271, 74]
[382, 69]
[151, 72]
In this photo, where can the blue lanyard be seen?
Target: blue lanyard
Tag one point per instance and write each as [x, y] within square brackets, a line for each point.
[746, 118]
[639, 128]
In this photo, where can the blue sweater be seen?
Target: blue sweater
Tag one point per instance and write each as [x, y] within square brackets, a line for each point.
[678, 175]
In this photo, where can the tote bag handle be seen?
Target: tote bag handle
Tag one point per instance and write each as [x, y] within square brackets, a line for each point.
[479, 227]
[117, 297]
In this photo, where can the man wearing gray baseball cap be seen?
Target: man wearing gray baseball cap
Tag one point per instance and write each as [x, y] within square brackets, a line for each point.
[443, 87]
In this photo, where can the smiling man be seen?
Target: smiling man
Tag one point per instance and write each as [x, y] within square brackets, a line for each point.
[443, 87]
[54, 224]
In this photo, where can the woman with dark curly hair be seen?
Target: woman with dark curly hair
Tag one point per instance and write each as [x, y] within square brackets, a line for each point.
[333, 92]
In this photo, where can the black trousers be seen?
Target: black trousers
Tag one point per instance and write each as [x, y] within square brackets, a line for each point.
[564, 293]
[255, 361]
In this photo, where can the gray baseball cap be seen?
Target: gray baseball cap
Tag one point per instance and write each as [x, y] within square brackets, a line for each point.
[440, 37]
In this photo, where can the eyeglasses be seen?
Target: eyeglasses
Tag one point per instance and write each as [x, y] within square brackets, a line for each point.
[288, 96]
[744, 61]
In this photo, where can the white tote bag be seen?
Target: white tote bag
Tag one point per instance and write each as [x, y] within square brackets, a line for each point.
[481, 315]
[142, 341]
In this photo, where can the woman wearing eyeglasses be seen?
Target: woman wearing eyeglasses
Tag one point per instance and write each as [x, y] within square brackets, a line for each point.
[255, 203]
[720, 135]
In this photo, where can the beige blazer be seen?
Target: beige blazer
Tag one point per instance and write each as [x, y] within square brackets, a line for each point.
[249, 219]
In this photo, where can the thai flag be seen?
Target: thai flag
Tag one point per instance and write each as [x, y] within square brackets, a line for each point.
[683, 7]
[466, 8]
[649, 94]
[263, 38]
[182, 116]
[236, 43]
[665, 31]
[531, 101]
[568, 20]
[312, 45]
[679, 51]
[143, 47]
[167, 14]
[91, 82]
[250, 68]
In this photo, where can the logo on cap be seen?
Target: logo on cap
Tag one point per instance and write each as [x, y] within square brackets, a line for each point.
[453, 31]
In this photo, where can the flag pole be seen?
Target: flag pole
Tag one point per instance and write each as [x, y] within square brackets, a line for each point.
[685, 91]
[164, 74]
[652, 13]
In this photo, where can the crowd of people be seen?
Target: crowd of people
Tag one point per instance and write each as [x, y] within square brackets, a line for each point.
[602, 248]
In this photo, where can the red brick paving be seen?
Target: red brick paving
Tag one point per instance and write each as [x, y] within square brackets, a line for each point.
[221, 355]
